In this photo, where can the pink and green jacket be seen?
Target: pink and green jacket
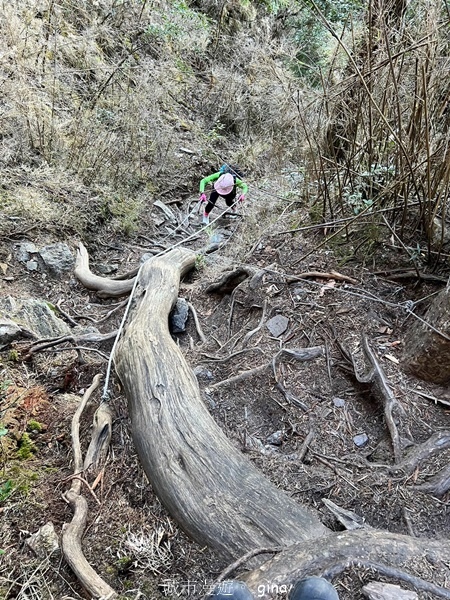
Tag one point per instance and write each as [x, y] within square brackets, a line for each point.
[240, 184]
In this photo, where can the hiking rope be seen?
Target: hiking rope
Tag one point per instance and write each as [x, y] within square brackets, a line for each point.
[105, 395]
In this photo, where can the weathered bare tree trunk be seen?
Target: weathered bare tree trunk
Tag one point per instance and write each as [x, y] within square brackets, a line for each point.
[216, 495]
[427, 350]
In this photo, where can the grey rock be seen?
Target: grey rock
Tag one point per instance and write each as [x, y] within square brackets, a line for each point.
[179, 316]
[25, 250]
[276, 438]
[277, 325]
[360, 440]
[57, 258]
[339, 402]
[32, 265]
[377, 590]
[300, 292]
[45, 541]
[84, 330]
[36, 316]
[9, 331]
[107, 269]
[145, 257]
[203, 373]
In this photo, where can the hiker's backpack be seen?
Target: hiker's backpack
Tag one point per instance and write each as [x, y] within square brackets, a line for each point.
[233, 169]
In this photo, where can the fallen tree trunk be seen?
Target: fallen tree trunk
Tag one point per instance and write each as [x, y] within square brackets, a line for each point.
[216, 495]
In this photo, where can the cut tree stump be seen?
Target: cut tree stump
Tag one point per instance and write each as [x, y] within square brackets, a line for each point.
[209, 487]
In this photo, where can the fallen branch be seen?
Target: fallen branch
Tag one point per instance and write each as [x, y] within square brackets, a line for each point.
[198, 327]
[397, 276]
[321, 275]
[241, 377]
[90, 338]
[105, 288]
[73, 532]
[393, 410]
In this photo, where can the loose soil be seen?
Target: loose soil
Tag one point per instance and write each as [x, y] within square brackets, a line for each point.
[130, 540]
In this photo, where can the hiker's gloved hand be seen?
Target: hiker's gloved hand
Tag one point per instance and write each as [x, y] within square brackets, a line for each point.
[202, 197]
[241, 198]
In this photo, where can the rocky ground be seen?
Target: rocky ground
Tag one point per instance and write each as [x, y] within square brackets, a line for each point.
[309, 426]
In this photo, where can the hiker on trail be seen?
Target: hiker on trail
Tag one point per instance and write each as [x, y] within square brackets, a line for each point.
[310, 588]
[226, 181]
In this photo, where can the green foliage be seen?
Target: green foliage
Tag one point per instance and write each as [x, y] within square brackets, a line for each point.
[200, 262]
[34, 426]
[13, 355]
[26, 447]
[313, 39]
[6, 490]
[177, 24]
[18, 480]
[275, 6]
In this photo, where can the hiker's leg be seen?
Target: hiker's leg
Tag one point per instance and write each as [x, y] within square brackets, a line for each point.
[211, 202]
[230, 198]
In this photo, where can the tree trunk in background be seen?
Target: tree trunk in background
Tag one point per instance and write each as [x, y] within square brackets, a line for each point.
[209, 487]
[427, 353]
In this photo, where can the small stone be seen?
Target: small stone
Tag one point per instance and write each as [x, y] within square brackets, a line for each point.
[338, 402]
[179, 316]
[145, 257]
[361, 439]
[202, 373]
[277, 325]
[45, 541]
[299, 292]
[107, 269]
[32, 265]
[25, 250]
[276, 438]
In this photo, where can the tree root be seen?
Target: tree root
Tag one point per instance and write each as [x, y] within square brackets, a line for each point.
[230, 280]
[198, 327]
[416, 582]
[105, 288]
[435, 443]
[370, 548]
[438, 485]
[90, 338]
[393, 410]
[302, 354]
[73, 532]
